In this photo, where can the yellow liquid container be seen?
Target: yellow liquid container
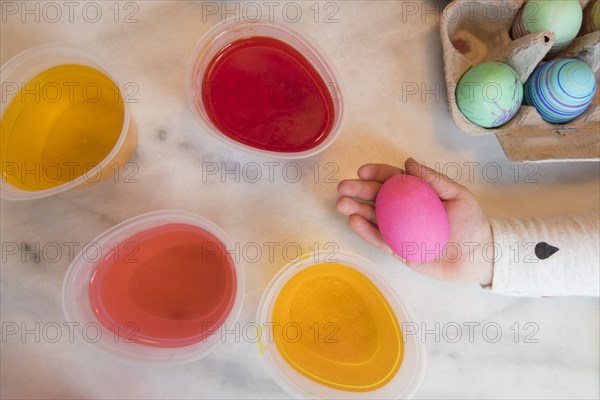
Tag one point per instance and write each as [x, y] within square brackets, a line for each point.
[330, 328]
[64, 122]
[334, 326]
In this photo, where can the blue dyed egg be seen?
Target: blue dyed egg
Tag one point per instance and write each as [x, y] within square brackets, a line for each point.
[561, 89]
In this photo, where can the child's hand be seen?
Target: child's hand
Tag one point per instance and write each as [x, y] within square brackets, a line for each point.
[470, 229]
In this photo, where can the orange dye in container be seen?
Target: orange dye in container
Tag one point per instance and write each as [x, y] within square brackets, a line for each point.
[168, 286]
[334, 326]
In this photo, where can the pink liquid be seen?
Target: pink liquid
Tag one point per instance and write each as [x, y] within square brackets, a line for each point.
[168, 286]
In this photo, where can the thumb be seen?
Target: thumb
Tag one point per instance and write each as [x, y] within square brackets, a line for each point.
[444, 187]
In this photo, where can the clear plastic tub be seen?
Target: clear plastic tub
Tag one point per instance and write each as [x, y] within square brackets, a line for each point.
[234, 29]
[405, 382]
[26, 65]
[77, 308]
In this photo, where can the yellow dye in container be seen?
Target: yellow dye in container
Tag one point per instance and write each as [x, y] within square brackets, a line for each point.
[334, 326]
[59, 126]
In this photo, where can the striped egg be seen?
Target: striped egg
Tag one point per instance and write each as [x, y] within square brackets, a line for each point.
[561, 89]
[562, 17]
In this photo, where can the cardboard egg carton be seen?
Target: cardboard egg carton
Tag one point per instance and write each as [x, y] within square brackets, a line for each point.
[478, 31]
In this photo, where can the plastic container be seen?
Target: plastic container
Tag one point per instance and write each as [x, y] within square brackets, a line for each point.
[77, 308]
[405, 382]
[233, 29]
[26, 65]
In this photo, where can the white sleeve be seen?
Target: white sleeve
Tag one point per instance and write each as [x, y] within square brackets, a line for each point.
[547, 257]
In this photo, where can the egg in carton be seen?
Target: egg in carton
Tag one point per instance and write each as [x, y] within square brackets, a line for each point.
[474, 32]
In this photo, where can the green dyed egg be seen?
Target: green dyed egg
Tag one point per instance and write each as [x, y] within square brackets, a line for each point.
[489, 94]
[563, 17]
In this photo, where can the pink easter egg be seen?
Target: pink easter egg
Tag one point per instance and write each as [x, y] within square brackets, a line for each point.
[412, 219]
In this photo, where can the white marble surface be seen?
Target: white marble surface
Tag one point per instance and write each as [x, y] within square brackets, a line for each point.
[377, 46]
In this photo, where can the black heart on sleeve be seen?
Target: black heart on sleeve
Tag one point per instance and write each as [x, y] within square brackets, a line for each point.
[543, 250]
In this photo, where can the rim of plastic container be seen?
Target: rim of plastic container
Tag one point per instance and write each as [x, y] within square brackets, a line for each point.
[80, 271]
[316, 53]
[365, 267]
[29, 55]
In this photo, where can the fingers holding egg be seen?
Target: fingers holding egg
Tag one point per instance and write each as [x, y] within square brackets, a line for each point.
[348, 207]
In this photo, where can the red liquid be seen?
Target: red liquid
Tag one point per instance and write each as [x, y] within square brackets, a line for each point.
[168, 286]
[263, 93]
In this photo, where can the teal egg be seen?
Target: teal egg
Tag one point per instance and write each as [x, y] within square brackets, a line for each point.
[489, 94]
[562, 17]
[561, 89]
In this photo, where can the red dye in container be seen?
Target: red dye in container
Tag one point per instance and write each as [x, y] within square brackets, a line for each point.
[263, 93]
[168, 286]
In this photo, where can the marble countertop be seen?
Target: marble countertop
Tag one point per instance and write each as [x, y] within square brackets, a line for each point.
[548, 347]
